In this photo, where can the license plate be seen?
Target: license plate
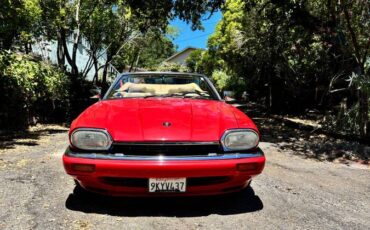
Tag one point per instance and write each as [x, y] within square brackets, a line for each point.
[167, 184]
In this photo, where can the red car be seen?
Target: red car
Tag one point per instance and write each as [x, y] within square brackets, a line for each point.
[163, 134]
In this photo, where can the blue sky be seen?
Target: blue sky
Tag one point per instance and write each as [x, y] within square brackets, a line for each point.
[197, 38]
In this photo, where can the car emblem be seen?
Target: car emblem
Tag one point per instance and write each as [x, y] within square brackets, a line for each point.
[166, 124]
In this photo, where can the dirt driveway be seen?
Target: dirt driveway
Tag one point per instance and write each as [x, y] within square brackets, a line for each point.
[293, 192]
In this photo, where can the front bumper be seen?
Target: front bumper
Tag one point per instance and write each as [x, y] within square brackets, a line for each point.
[206, 175]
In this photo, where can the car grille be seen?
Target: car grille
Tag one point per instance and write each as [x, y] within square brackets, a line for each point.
[167, 149]
[125, 182]
[143, 182]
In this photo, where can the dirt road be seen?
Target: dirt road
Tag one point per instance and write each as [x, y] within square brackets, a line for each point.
[292, 193]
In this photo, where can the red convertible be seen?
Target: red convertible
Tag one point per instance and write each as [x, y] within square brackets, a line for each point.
[163, 134]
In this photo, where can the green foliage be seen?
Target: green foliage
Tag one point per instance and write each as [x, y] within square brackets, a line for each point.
[30, 16]
[204, 61]
[294, 55]
[360, 81]
[293, 52]
[160, 12]
[221, 79]
[344, 121]
[224, 81]
[146, 51]
[170, 67]
[154, 50]
[194, 61]
[30, 90]
[127, 32]
[19, 21]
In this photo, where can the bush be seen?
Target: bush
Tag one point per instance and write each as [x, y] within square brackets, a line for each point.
[343, 121]
[170, 67]
[221, 79]
[224, 81]
[79, 97]
[32, 91]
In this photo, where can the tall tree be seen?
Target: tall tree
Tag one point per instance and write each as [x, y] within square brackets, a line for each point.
[119, 21]
[147, 51]
[298, 54]
[354, 18]
[19, 22]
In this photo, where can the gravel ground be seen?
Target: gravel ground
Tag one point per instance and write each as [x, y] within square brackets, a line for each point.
[292, 193]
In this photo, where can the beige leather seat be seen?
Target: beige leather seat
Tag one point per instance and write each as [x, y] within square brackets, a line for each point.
[139, 90]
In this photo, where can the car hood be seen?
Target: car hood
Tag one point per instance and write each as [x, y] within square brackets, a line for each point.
[163, 119]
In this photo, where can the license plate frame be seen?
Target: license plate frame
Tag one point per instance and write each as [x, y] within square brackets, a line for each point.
[167, 185]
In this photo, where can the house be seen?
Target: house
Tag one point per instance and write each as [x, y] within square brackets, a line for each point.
[181, 56]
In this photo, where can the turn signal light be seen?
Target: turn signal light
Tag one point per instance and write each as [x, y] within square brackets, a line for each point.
[247, 167]
[83, 167]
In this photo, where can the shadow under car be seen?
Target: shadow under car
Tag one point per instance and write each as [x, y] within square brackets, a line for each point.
[229, 204]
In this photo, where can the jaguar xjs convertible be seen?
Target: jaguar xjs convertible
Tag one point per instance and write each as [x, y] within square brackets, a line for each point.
[161, 134]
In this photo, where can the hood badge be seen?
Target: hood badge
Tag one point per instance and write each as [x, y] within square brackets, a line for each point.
[166, 124]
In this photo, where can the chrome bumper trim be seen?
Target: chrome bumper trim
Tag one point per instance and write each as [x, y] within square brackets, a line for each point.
[120, 156]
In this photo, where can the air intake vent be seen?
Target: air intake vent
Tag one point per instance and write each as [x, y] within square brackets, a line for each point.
[167, 149]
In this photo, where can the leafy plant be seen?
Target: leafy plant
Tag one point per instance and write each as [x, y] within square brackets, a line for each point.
[32, 91]
[171, 67]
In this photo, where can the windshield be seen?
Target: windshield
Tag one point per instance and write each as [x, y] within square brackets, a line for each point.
[162, 85]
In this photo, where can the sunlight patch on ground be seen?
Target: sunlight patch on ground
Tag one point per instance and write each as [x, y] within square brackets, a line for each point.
[300, 121]
[45, 127]
[35, 135]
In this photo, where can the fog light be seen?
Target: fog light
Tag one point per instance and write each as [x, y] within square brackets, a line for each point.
[83, 167]
[247, 167]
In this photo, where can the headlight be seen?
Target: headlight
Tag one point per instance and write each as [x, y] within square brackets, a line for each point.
[91, 139]
[239, 139]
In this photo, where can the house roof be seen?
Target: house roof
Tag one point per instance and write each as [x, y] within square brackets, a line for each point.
[179, 53]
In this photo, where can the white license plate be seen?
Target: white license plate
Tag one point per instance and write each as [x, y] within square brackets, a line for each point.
[167, 184]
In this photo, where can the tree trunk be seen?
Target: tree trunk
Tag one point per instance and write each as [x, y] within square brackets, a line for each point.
[364, 113]
[7, 40]
[71, 59]
[363, 96]
[71, 62]
[105, 72]
[26, 50]
[269, 98]
[76, 39]
[137, 61]
[363, 101]
[133, 60]
[74, 50]
[96, 75]
[104, 85]
[60, 52]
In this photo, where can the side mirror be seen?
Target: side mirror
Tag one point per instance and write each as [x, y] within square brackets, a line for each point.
[96, 92]
[229, 100]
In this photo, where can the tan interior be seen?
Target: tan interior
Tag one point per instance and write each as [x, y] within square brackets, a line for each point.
[136, 90]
